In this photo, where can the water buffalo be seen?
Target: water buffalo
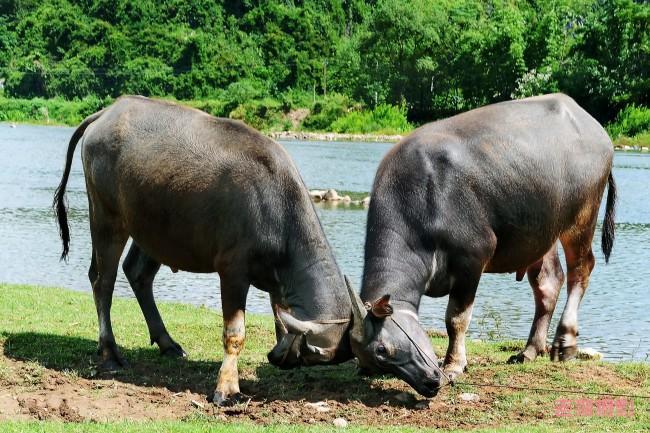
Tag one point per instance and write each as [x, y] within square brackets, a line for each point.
[490, 190]
[204, 194]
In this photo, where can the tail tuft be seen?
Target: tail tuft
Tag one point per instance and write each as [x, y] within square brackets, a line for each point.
[60, 211]
[607, 242]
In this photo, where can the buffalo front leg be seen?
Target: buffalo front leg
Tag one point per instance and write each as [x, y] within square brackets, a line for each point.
[580, 262]
[108, 243]
[457, 318]
[233, 301]
[546, 278]
[140, 269]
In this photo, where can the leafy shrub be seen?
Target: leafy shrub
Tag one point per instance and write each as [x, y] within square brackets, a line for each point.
[242, 92]
[261, 114]
[534, 82]
[216, 107]
[145, 76]
[326, 111]
[384, 119]
[630, 121]
[50, 110]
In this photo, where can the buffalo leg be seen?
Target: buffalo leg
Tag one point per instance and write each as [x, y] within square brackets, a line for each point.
[546, 278]
[580, 262]
[140, 269]
[233, 301]
[458, 316]
[108, 240]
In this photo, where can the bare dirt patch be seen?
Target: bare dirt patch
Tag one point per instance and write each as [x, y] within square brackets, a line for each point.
[56, 395]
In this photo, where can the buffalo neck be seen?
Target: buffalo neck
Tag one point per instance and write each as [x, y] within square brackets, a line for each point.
[312, 284]
[399, 251]
[396, 269]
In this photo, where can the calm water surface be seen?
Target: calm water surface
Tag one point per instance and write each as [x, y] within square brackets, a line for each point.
[614, 313]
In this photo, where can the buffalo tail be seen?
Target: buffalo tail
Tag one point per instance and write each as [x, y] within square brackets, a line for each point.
[59, 204]
[607, 241]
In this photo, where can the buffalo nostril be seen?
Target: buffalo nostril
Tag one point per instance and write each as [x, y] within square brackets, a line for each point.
[431, 382]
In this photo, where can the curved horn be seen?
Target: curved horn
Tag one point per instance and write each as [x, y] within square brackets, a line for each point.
[358, 314]
[298, 327]
[310, 348]
[279, 321]
[293, 325]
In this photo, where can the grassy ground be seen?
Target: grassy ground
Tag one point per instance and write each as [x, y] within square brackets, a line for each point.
[48, 380]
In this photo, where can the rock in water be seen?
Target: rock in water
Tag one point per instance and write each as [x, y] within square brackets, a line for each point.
[340, 423]
[317, 194]
[331, 195]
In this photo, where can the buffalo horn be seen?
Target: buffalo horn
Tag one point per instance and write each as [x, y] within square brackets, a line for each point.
[358, 314]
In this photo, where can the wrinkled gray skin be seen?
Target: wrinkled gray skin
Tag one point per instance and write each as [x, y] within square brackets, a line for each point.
[203, 194]
[491, 190]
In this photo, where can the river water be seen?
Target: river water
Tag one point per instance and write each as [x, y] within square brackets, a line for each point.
[614, 315]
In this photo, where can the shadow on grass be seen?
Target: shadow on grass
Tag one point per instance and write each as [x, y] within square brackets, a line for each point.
[78, 355]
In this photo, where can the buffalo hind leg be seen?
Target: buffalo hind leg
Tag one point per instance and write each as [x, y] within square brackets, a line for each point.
[580, 262]
[458, 316]
[546, 278]
[140, 269]
[233, 301]
[108, 240]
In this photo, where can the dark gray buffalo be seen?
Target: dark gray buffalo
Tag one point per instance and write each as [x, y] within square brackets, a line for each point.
[204, 194]
[490, 190]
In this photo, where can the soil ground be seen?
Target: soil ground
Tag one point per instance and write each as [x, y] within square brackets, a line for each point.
[47, 372]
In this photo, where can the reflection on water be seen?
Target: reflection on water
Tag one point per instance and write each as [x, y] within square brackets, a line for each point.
[613, 317]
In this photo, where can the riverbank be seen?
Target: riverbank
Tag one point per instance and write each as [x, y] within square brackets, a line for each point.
[333, 136]
[327, 119]
[383, 125]
[47, 373]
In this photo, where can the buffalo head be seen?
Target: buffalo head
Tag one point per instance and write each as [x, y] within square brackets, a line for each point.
[392, 341]
[309, 342]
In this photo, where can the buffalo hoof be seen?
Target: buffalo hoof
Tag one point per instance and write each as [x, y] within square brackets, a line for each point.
[173, 351]
[111, 358]
[563, 353]
[451, 374]
[220, 399]
[520, 358]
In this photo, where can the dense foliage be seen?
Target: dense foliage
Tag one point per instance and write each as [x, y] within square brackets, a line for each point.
[430, 57]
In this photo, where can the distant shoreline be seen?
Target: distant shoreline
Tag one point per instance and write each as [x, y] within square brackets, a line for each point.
[326, 136]
[276, 135]
[332, 136]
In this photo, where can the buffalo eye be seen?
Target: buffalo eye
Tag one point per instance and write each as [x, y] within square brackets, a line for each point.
[381, 349]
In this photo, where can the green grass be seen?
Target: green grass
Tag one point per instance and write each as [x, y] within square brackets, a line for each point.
[50, 330]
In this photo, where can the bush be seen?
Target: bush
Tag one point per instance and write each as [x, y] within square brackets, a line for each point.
[631, 121]
[242, 92]
[215, 107]
[261, 114]
[50, 110]
[326, 111]
[384, 119]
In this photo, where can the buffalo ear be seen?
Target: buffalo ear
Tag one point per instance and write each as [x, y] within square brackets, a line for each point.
[381, 308]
